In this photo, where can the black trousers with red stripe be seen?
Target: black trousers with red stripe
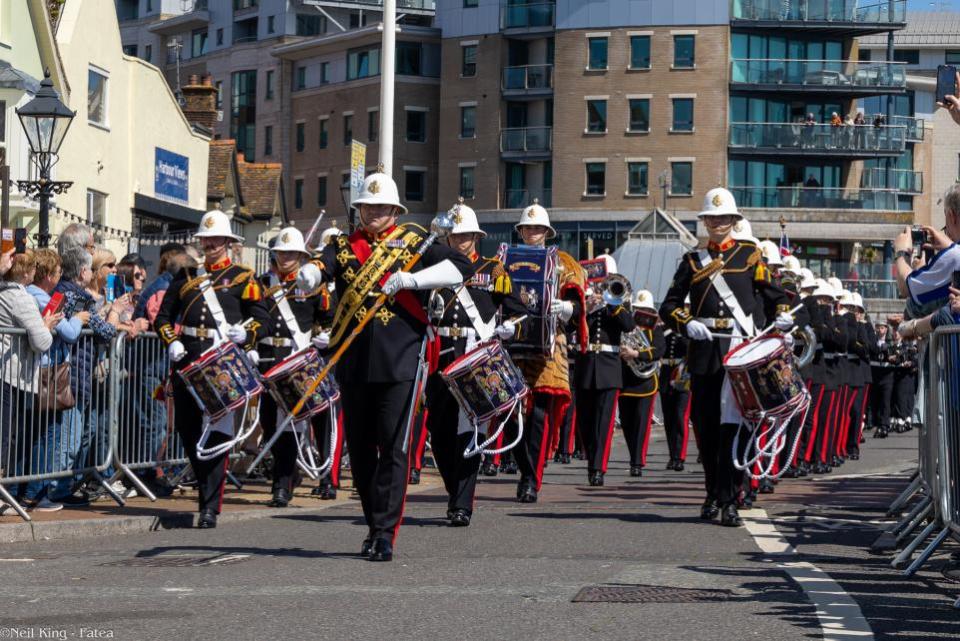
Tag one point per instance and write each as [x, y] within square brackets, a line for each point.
[636, 416]
[321, 432]
[210, 474]
[596, 410]
[419, 440]
[284, 450]
[531, 451]
[858, 406]
[721, 479]
[459, 474]
[567, 424]
[375, 417]
[675, 404]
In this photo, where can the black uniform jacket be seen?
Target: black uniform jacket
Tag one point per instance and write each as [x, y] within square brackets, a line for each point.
[748, 279]
[633, 385]
[821, 321]
[388, 348]
[596, 370]
[310, 311]
[239, 295]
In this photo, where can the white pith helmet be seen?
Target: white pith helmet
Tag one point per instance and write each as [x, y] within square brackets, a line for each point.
[290, 240]
[771, 253]
[330, 233]
[216, 224]
[465, 220]
[791, 264]
[534, 215]
[719, 202]
[807, 280]
[743, 230]
[643, 300]
[379, 189]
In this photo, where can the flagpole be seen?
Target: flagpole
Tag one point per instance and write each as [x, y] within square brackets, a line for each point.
[387, 71]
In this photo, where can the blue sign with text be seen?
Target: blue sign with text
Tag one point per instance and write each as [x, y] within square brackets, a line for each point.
[171, 176]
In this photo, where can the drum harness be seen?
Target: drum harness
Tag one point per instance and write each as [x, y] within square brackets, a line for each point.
[768, 430]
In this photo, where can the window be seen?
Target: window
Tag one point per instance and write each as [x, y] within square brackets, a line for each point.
[597, 53]
[416, 126]
[596, 178]
[3, 120]
[466, 182]
[321, 191]
[271, 24]
[148, 52]
[301, 81]
[324, 73]
[245, 31]
[683, 52]
[639, 114]
[219, 86]
[268, 141]
[909, 56]
[243, 111]
[409, 59]
[219, 37]
[469, 4]
[301, 135]
[130, 50]
[864, 55]
[363, 63]
[347, 129]
[952, 57]
[310, 25]
[597, 116]
[639, 52]
[373, 125]
[324, 132]
[298, 193]
[244, 4]
[96, 97]
[149, 5]
[681, 180]
[637, 178]
[468, 68]
[198, 43]
[414, 183]
[468, 121]
[96, 207]
[269, 92]
[682, 114]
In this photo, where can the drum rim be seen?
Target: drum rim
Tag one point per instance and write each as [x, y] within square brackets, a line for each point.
[745, 366]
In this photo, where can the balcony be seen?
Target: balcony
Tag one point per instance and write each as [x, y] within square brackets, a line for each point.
[800, 139]
[413, 6]
[196, 18]
[527, 81]
[819, 76]
[518, 19]
[528, 143]
[914, 127]
[802, 197]
[830, 17]
[905, 181]
[521, 198]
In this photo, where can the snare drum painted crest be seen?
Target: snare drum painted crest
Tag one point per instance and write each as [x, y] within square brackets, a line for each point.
[485, 382]
[289, 380]
[221, 380]
[763, 377]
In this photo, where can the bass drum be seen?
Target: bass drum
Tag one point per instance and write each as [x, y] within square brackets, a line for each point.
[764, 377]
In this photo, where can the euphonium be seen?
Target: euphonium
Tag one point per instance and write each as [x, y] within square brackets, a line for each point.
[807, 339]
[636, 340]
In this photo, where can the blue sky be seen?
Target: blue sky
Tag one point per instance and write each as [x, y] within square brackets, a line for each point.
[927, 5]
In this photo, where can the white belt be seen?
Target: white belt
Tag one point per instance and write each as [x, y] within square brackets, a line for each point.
[203, 333]
[456, 332]
[276, 341]
[597, 348]
[718, 323]
[671, 361]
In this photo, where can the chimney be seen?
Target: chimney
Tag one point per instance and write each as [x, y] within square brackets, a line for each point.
[200, 101]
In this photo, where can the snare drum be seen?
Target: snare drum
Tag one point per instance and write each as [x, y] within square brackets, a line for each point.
[485, 382]
[763, 377]
[289, 380]
[221, 380]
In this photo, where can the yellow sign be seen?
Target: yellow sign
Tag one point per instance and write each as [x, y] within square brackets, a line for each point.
[358, 170]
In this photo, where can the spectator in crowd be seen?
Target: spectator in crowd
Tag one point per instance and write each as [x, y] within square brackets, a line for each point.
[55, 448]
[133, 270]
[809, 131]
[836, 127]
[76, 235]
[19, 361]
[162, 281]
[175, 262]
[860, 131]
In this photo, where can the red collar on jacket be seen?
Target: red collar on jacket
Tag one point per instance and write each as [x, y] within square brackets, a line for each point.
[223, 264]
[721, 247]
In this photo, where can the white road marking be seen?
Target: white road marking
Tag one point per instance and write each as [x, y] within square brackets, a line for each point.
[16, 560]
[839, 614]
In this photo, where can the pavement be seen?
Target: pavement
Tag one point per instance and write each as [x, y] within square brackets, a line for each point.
[629, 560]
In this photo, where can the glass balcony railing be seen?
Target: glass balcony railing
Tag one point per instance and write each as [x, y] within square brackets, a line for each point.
[520, 198]
[820, 11]
[802, 138]
[526, 139]
[527, 16]
[429, 5]
[819, 74]
[814, 197]
[906, 181]
[914, 127]
[528, 77]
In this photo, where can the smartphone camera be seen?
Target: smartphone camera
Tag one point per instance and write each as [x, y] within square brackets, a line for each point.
[918, 235]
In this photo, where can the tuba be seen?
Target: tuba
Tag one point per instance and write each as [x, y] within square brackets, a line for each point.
[637, 340]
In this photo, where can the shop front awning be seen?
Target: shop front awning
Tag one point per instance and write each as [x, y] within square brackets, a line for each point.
[166, 211]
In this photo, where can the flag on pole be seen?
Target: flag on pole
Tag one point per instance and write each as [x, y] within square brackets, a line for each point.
[784, 243]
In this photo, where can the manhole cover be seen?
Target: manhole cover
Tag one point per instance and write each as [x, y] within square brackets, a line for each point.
[177, 561]
[647, 594]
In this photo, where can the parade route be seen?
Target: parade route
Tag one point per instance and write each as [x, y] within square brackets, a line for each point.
[629, 560]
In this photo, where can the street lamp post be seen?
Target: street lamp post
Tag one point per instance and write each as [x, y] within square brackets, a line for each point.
[45, 120]
[351, 213]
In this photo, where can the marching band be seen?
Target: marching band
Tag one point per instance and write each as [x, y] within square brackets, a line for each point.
[376, 341]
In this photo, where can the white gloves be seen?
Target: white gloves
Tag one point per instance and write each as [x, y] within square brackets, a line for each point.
[698, 331]
[321, 340]
[398, 281]
[788, 340]
[309, 277]
[176, 351]
[237, 333]
[562, 308]
[254, 357]
[506, 330]
[784, 322]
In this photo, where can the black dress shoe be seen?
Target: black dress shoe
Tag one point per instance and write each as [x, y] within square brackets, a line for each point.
[366, 546]
[709, 510]
[596, 479]
[281, 498]
[578, 454]
[766, 486]
[678, 466]
[789, 473]
[460, 518]
[565, 459]
[854, 455]
[731, 517]
[510, 467]
[556, 457]
[526, 493]
[325, 492]
[207, 520]
[636, 470]
[671, 464]
[382, 551]
[489, 469]
[414, 477]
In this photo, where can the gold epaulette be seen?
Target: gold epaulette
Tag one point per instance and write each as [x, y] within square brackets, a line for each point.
[192, 283]
[414, 227]
[755, 257]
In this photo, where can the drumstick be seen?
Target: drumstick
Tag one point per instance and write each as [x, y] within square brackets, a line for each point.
[766, 330]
